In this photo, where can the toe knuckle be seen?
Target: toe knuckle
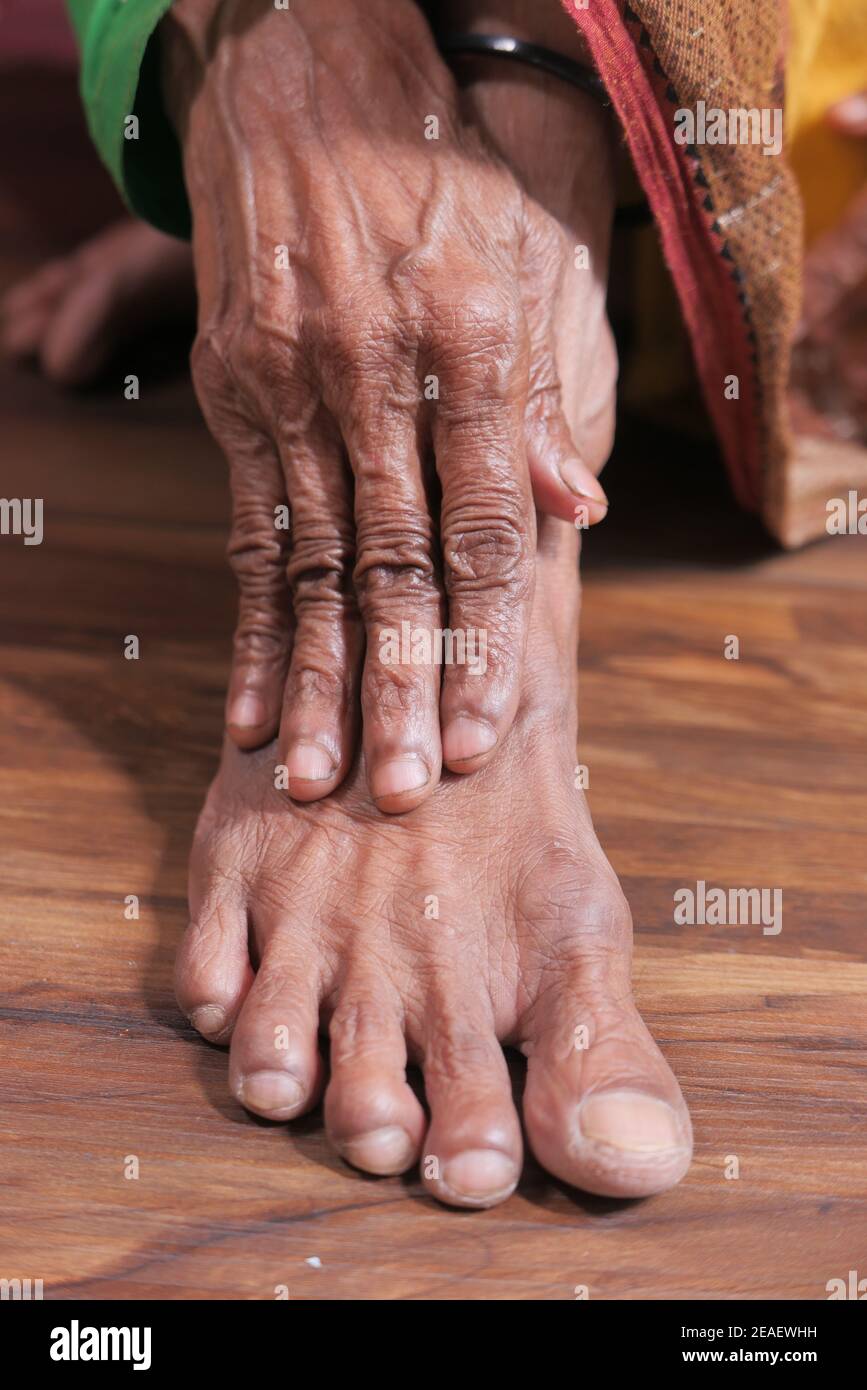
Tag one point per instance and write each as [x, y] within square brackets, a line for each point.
[605, 913]
[458, 1053]
[581, 903]
[356, 1029]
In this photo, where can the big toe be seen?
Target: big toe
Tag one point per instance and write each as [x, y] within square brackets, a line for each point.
[602, 1108]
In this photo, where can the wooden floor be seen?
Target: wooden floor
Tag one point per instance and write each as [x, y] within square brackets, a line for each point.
[747, 773]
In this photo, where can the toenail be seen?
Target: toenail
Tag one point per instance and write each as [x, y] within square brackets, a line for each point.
[270, 1091]
[465, 738]
[400, 775]
[479, 1173]
[309, 762]
[382, 1151]
[209, 1019]
[247, 710]
[630, 1120]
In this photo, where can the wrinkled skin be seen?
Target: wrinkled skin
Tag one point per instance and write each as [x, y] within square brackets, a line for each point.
[348, 267]
[489, 914]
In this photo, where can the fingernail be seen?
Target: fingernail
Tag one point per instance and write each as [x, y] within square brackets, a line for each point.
[247, 710]
[271, 1091]
[630, 1120]
[582, 483]
[479, 1173]
[400, 775]
[208, 1019]
[465, 738]
[309, 762]
[382, 1151]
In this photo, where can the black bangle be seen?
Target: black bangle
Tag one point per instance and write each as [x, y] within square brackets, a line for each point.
[543, 59]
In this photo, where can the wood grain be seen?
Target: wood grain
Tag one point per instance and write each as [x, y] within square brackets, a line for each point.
[744, 773]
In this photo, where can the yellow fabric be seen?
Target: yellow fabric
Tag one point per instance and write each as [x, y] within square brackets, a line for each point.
[827, 61]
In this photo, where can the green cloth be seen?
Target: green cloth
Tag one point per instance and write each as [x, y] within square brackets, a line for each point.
[120, 77]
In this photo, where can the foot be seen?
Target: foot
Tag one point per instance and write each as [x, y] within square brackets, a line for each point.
[76, 311]
[489, 916]
[486, 917]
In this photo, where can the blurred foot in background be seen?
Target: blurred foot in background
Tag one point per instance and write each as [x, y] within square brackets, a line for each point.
[103, 278]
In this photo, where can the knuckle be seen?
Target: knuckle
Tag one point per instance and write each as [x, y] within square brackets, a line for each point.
[482, 312]
[391, 692]
[319, 567]
[271, 991]
[476, 342]
[223, 390]
[255, 551]
[208, 362]
[457, 1053]
[485, 551]
[605, 914]
[353, 336]
[243, 364]
[316, 685]
[394, 565]
[583, 906]
[260, 635]
[355, 1030]
[214, 384]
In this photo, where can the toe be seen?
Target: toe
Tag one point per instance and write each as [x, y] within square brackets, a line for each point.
[213, 971]
[38, 291]
[21, 335]
[372, 1117]
[472, 1153]
[80, 336]
[602, 1108]
[275, 1068]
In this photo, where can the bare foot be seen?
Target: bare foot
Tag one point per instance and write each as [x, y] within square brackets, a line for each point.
[75, 312]
[487, 916]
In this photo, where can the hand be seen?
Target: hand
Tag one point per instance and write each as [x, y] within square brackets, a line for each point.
[375, 326]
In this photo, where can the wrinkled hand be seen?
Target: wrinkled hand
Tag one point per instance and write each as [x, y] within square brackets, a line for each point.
[375, 349]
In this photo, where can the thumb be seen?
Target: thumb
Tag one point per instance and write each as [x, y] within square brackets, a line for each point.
[564, 484]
